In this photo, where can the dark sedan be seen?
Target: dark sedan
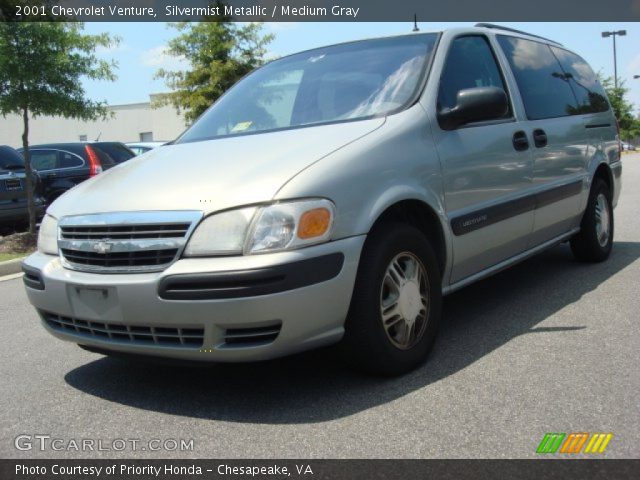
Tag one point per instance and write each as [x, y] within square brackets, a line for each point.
[13, 189]
[63, 165]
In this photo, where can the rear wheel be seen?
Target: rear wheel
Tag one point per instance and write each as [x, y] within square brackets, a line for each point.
[395, 309]
[594, 241]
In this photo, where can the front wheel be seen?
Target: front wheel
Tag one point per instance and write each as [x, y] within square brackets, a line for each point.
[594, 241]
[395, 309]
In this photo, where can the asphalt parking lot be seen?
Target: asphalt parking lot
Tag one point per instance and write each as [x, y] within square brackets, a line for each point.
[551, 345]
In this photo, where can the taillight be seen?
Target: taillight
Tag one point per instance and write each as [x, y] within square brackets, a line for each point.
[619, 139]
[95, 167]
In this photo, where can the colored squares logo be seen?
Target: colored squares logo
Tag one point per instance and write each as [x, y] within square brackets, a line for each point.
[598, 443]
[550, 443]
[574, 443]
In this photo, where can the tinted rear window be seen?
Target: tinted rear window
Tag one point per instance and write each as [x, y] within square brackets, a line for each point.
[67, 160]
[545, 90]
[111, 153]
[10, 158]
[586, 87]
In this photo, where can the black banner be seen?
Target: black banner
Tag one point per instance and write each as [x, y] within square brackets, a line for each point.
[320, 469]
[319, 10]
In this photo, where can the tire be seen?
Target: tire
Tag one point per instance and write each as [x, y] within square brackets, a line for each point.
[367, 344]
[594, 241]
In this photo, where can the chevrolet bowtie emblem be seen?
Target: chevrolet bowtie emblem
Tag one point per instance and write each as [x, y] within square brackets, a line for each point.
[102, 247]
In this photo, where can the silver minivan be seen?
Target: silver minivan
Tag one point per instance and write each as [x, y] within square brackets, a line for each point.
[336, 195]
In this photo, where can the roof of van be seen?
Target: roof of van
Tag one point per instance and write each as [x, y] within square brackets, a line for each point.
[483, 27]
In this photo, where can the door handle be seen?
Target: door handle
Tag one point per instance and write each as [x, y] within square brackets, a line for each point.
[539, 138]
[520, 141]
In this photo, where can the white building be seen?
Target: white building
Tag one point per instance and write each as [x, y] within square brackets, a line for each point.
[130, 123]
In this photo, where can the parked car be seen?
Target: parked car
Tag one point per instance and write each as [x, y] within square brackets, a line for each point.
[13, 189]
[142, 147]
[628, 146]
[335, 195]
[64, 165]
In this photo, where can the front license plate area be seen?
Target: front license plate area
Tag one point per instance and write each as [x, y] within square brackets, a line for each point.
[94, 303]
[13, 185]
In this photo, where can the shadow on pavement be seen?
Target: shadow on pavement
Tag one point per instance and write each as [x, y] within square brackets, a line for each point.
[315, 387]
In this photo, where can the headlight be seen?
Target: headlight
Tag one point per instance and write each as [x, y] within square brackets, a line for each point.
[284, 226]
[48, 235]
[281, 226]
[221, 234]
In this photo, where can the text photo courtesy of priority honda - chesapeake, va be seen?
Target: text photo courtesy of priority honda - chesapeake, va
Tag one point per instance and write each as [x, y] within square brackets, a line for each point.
[331, 240]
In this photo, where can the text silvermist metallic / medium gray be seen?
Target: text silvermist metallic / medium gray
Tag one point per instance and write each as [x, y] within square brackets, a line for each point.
[334, 196]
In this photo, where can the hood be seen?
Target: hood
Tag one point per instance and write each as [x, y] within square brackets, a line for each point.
[210, 175]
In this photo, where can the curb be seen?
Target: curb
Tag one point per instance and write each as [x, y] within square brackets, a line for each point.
[11, 266]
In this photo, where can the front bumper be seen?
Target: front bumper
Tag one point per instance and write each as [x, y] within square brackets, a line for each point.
[226, 309]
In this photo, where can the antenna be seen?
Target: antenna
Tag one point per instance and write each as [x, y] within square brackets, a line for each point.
[415, 23]
[98, 138]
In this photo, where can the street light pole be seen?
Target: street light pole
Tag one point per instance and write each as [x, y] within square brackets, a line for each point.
[614, 34]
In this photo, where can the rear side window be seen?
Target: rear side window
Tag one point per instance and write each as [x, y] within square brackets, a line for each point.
[544, 88]
[44, 159]
[112, 153]
[470, 63]
[586, 87]
[68, 160]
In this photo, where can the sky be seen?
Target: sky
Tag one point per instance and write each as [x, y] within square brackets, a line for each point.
[141, 51]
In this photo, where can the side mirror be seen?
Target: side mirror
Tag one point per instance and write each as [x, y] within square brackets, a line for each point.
[474, 105]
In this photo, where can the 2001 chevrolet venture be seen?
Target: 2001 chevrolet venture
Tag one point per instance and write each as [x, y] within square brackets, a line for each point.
[335, 195]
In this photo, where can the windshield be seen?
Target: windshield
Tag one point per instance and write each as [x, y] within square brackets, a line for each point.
[338, 83]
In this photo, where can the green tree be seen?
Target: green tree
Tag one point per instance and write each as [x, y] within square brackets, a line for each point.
[41, 67]
[219, 53]
[622, 108]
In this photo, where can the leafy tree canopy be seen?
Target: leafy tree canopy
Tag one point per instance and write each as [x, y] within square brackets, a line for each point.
[42, 65]
[622, 107]
[219, 54]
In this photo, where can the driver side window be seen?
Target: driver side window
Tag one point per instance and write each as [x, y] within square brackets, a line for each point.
[470, 63]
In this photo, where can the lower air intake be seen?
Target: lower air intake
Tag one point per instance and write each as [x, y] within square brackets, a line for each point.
[170, 336]
[251, 337]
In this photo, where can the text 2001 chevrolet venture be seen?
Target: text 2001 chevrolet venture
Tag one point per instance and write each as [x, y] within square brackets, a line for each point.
[334, 196]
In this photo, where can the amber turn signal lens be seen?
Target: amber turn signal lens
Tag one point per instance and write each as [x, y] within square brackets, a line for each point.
[314, 223]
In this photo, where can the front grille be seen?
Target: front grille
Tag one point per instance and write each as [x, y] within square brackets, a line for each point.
[123, 259]
[192, 337]
[251, 337]
[124, 242]
[124, 232]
